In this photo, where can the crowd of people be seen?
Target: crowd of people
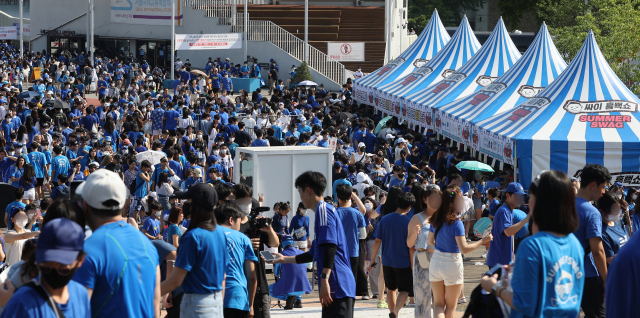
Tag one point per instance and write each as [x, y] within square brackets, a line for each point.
[129, 236]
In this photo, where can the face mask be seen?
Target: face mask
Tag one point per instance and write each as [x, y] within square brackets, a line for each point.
[8, 121]
[21, 223]
[231, 139]
[199, 136]
[613, 217]
[318, 133]
[245, 208]
[368, 206]
[634, 197]
[31, 215]
[362, 149]
[401, 176]
[216, 152]
[378, 166]
[158, 214]
[618, 196]
[55, 280]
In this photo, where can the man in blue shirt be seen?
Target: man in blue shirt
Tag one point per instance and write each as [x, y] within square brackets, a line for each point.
[156, 118]
[121, 270]
[241, 281]
[59, 164]
[391, 234]
[342, 179]
[501, 248]
[259, 142]
[593, 180]
[171, 119]
[102, 88]
[355, 232]
[329, 248]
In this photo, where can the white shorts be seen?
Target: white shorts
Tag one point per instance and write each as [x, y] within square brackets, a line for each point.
[446, 267]
[300, 244]
[157, 132]
[30, 194]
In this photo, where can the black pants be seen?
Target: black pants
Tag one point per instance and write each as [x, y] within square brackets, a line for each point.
[593, 298]
[357, 267]
[174, 312]
[234, 313]
[339, 308]
[261, 306]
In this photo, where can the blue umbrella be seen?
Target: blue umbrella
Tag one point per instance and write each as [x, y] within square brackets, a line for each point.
[27, 95]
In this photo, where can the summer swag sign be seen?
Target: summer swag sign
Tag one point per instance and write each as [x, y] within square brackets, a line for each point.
[222, 41]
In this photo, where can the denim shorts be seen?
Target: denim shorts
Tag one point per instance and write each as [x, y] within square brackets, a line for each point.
[201, 305]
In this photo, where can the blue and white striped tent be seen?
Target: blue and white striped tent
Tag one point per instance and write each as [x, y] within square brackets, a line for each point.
[539, 66]
[462, 46]
[494, 58]
[587, 115]
[431, 40]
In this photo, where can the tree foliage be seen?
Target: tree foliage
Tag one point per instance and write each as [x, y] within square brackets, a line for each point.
[302, 73]
[450, 11]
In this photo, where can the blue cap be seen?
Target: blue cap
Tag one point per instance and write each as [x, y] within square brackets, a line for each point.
[156, 104]
[515, 188]
[337, 165]
[15, 210]
[60, 241]
[287, 240]
[619, 184]
[132, 98]
[185, 138]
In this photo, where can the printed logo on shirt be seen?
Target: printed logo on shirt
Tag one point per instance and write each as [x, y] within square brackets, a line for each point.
[563, 274]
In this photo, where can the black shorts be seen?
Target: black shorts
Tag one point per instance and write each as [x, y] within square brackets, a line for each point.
[233, 313]
[398, 278]
[39, 182]
[215, 90]
[340, 307]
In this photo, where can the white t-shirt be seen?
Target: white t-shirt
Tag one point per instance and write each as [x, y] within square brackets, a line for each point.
[14, 249]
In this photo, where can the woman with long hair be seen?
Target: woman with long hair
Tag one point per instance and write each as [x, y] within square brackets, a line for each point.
[173, 231]
[201, 261]
[614, 236]
[164, 190]
[17, 171]
[186, 120]
[17, 235]
[446, 234]
[548, 274]
[28, 183]
[391, 204]
[417, 238]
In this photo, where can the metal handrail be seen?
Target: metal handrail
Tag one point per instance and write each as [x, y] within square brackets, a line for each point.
[224, 10]
[259, 30]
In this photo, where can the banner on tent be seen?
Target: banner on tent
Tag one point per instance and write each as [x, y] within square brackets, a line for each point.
[528, 91]
[397, 61]
[448, 82]
[221, 41]
[416, 74]
[496, 146]
[359, 94]
[484, 80]
[628, 179]
[487, 92]
[590, 112]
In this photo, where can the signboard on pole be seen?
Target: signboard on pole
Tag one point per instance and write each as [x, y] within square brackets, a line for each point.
[25, 27]
[222, 41]
[156, 12]
[345, 51]
[8, 33]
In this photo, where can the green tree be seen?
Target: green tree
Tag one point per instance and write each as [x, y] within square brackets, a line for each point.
[450, 11]
[302, 73]
[615, 24]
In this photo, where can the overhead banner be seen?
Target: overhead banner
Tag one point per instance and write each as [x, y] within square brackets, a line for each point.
[147, 12]
[628, 179]
[222, 41]
[25, 27]
[8, 33]
[345, 52]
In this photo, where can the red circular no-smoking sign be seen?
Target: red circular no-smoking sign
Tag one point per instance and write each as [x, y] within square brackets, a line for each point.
[345, 49]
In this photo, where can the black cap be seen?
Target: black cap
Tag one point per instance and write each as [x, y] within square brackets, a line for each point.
[202, 193]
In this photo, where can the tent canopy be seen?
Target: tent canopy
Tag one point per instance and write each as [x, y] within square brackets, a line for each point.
[462, 46]
[539, 66]
[494, 58]
[587, 115]
[431, 40]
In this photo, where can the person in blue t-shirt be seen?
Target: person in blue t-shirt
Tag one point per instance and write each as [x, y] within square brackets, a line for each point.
[299, 229]
[241, 282]
[501, 248]
[614, 236]
[59, 164]
[121, 265]
[391, 235]
[280, 219]
[519, 215]
[447, 234]
[171, 118]
[623, 281]
[355, 231]
[151, 227]
[329, 249]
[593, 180]
[202, 260]
[142, 189]
[59, 251]
[548, 274]
[492, 196]
[259, 142]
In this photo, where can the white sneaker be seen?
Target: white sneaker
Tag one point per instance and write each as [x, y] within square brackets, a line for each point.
[484, 255]
[462, 300]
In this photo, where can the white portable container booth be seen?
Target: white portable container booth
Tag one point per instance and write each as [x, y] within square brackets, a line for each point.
[272, 171]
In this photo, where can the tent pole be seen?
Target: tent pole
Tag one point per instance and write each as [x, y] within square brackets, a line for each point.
[515, 162]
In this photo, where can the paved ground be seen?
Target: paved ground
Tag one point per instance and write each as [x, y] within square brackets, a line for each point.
[367, 308]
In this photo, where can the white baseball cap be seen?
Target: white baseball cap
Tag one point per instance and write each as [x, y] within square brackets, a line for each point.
[103, 190]
[389, 136]
[361, 145]
[401, 140]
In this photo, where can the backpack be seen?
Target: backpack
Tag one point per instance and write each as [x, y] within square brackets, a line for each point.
[133, 188]
[64, 191]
